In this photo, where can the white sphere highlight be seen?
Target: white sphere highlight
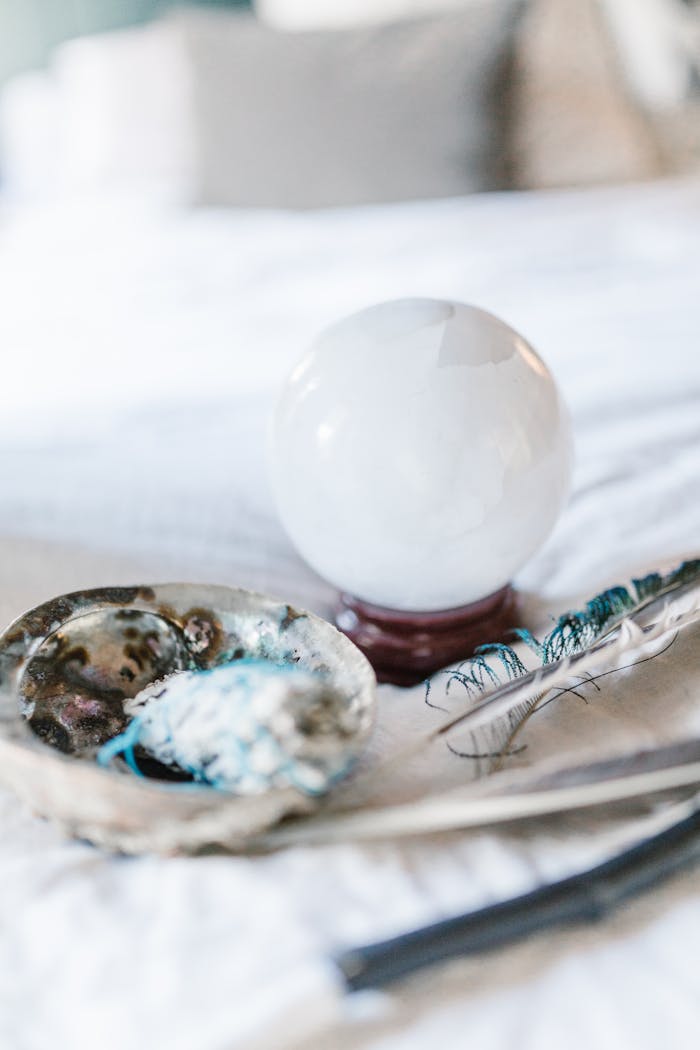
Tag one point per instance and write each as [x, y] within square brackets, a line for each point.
[421, 454]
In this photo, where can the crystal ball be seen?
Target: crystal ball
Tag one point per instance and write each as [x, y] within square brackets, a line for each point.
[421, 453]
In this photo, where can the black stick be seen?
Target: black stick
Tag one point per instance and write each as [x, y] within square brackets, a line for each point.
[586, 897]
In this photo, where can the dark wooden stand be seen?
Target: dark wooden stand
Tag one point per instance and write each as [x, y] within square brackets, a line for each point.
[405, 647]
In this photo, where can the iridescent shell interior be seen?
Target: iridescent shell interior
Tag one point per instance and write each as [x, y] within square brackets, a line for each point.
[68, 667]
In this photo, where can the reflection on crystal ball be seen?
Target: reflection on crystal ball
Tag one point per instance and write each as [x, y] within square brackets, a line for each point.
[421, 454]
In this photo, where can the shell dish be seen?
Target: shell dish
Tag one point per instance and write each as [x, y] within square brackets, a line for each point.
[69, 668]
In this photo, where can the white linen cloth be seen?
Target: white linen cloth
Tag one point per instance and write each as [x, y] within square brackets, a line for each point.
[142, 348]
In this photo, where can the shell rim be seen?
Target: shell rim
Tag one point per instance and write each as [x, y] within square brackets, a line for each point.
[22, 737]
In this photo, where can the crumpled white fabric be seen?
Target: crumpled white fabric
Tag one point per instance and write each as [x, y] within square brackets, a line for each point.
[142, 350]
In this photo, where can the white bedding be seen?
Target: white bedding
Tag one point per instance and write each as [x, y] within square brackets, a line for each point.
[142, 346]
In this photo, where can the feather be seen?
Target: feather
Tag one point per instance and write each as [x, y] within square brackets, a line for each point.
[620, 623]
[632, 635]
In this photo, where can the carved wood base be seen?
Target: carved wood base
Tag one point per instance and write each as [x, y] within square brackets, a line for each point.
[406, 647]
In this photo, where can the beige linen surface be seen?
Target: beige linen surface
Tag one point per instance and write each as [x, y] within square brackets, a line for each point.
[150, 465]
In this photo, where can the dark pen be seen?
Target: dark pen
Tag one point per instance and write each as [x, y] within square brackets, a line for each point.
[588, 896]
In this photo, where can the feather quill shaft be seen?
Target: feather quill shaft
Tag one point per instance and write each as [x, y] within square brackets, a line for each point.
[570, 788]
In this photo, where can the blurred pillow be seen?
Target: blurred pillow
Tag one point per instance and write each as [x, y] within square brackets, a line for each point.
[110, 112]
[336, 14]
[30, 136]
[573, 121]
[392, 112]
[658, 42]
[124, 102]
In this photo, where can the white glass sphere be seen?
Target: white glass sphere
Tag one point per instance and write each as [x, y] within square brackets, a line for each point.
[421, 454]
